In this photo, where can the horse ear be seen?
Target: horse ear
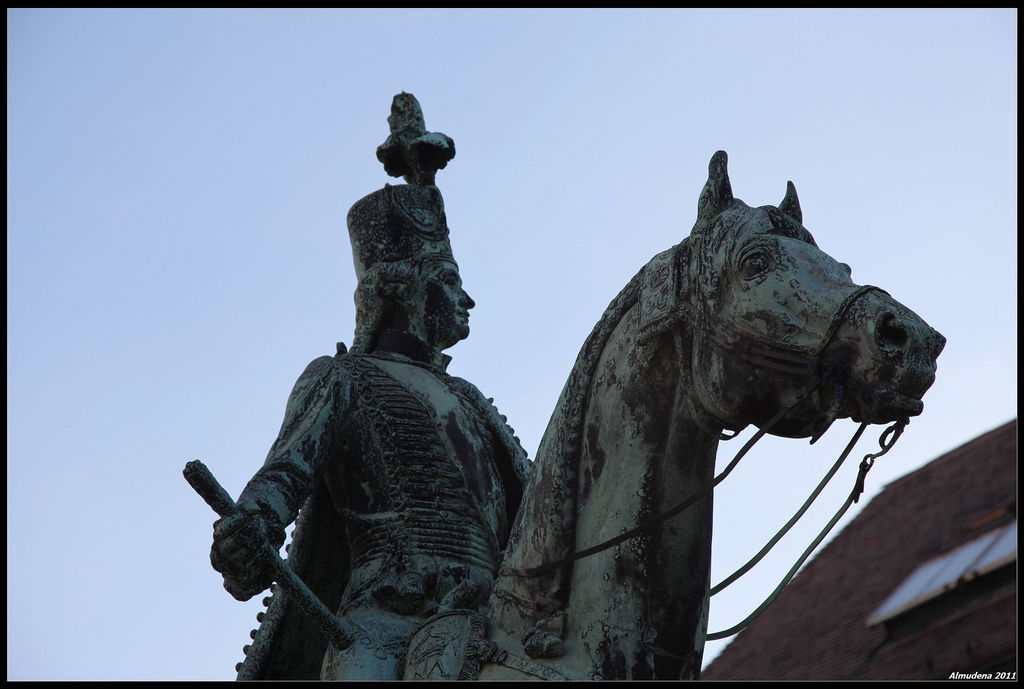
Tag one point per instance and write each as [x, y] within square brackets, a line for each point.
[717, 192]
[791, 204]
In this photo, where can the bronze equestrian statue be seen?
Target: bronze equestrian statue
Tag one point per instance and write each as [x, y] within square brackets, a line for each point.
[413, 484]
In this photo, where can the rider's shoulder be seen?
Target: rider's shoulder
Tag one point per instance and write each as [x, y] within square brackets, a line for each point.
[473, 392]
[466, 387]
[326, 366]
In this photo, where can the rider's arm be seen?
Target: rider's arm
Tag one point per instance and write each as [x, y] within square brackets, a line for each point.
[272, 498]
[307, 437]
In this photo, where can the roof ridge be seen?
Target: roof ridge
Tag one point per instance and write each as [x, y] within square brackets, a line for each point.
[952, 454]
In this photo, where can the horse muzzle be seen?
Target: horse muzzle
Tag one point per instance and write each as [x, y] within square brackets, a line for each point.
[886, 358]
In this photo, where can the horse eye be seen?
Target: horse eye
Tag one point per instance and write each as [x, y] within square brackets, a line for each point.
[754, 264]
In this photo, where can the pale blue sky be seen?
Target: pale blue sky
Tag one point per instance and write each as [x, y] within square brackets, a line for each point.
[177, 189]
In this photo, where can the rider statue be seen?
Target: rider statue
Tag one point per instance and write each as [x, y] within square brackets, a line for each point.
[404, 480]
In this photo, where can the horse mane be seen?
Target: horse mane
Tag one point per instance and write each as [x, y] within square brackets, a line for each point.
[545, 528]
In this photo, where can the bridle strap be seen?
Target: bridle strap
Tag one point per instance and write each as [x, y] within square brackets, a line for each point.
[795, 518]
[894, 431]
[648, 524]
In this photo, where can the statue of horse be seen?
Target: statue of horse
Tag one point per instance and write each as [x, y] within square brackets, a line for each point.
[742, 319]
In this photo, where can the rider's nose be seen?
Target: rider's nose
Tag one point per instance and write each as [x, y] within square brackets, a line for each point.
[467, 301]
[938, 342]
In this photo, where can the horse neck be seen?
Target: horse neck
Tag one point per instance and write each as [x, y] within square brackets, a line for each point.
[643, 450]
[641, 431]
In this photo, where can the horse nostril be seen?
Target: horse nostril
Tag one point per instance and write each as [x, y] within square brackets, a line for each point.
[891, 333]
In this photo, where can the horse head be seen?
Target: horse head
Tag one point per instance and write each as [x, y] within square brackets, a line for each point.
[774, 317]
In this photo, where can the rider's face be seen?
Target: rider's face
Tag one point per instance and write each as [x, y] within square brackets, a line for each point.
[445, 304]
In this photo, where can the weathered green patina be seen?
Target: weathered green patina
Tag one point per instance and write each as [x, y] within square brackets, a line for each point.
[414, 525]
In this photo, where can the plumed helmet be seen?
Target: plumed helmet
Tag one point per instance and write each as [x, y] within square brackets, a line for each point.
[405, 221]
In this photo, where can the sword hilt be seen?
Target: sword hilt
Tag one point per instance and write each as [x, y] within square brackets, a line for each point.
[201, 479]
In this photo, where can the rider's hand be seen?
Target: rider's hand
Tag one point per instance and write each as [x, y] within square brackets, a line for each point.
[239, 551]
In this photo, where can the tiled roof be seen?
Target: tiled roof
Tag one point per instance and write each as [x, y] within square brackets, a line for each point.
[817, 628]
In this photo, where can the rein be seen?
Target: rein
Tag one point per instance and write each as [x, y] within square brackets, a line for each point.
[885, 443]
[895, 430]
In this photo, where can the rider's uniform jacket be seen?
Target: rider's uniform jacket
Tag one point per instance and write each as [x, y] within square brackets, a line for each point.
[418, 470]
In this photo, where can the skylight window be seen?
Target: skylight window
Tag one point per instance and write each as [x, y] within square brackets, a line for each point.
[933, 578]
